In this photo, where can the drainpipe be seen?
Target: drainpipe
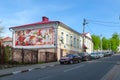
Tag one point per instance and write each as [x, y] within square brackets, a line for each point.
[56, 39]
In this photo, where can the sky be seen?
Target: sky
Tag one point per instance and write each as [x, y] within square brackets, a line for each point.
[102, 16]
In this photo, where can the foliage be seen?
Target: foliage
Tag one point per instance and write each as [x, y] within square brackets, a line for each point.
[115, 41]
[96, 42]
[7, 54]
[107, 44]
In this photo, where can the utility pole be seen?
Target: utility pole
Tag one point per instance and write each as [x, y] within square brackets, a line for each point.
[83, 35]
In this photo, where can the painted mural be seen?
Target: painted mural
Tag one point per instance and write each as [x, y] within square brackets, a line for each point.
[34, 37]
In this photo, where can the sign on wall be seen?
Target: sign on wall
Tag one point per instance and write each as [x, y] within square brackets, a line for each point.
[35, 37]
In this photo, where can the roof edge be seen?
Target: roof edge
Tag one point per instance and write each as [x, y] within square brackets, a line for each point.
[34, 24]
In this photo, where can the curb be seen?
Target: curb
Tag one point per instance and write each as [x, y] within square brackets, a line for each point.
[113, 73]
[27, 70]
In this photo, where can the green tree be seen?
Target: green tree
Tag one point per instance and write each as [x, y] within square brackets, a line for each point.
[105, 43]
[1, 30]
[96, 41]
[115, 41]
[6, 54]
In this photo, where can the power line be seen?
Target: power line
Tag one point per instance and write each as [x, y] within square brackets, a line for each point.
[106, 22]
[90, 29]
[106, 25]
[103, 23]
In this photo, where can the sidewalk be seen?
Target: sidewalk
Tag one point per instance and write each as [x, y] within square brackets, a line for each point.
[15, 70]
[113, 74]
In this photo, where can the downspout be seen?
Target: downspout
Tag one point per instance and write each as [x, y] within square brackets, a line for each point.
[56, 39]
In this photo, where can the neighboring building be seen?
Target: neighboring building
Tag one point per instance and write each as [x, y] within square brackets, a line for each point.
[118, 48]
[7, 41]
[49, 40]
[88, 43]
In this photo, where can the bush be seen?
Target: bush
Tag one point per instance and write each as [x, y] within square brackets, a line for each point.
[13, 62]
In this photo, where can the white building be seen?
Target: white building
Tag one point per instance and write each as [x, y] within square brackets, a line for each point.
[50, 40]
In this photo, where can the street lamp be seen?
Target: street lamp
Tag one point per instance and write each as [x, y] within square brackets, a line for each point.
[101, 42]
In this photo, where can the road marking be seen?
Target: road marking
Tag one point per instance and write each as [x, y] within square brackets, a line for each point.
[112, 74]
[94, 61]
[30, 69]
[73, 68]
[16, 72]
[112, 62]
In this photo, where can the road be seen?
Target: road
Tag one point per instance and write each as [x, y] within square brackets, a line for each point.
[90, 70]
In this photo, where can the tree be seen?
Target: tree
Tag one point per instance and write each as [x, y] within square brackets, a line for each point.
[115, 41]
[1, 30]
[96, 41]
[105, 43]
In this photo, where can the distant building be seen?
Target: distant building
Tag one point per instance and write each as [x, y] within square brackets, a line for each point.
[88, 43]
[7, 41]
[119, 48]
[49, 39]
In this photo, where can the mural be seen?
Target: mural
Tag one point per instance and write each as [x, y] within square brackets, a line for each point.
[34, 37]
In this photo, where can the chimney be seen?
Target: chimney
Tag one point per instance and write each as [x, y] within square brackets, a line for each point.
[45, 19]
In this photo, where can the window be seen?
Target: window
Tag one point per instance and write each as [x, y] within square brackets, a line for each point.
[75, 42]
[67, 39]
[78, 43]
[71, 41]
[62, 38]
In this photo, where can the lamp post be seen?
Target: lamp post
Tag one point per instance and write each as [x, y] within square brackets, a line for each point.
[101, 42]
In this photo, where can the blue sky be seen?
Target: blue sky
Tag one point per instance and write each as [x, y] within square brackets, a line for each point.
[102, 15]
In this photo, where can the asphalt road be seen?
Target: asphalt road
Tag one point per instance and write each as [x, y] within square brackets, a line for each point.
[90, 70]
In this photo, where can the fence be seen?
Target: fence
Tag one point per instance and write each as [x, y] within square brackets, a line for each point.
[34, 55]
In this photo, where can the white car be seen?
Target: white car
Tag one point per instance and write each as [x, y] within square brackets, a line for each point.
[100, 54]
[94, 55]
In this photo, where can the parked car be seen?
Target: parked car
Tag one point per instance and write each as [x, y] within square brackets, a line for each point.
[84, 56]
[94, 56]
[70, 58]
[100, 54]
[107, 54]
[112, 52]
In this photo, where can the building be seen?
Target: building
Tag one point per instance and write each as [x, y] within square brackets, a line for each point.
[88, 43]
[46, 41]
[7, 41]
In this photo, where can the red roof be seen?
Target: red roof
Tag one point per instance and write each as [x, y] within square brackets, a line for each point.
[45, 20]
[34, 24]
[85, 33]
[7, 39]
